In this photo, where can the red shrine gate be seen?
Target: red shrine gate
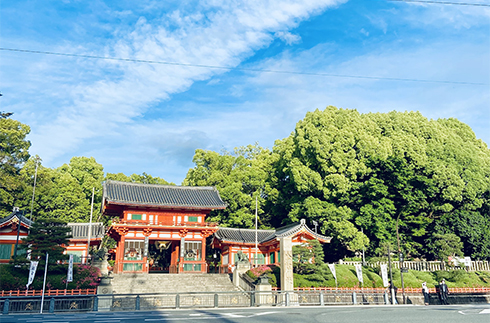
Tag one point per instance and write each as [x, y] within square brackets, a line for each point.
[160, 227]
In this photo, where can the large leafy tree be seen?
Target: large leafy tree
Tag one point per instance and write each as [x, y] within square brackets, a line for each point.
[58, 193]
[355, 171]
[241, 177]
[136, 178]
[14, 152]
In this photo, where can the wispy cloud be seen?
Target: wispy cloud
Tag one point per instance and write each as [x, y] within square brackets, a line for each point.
[211, 34]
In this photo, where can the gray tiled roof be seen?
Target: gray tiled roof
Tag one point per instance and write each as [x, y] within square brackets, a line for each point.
[116, 192]
[248, 235]
[243, 235]
[80, 230]
[17, 215]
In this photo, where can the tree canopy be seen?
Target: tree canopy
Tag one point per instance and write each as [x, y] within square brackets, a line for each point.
[369, 180]
[14, 151]
[372, 171]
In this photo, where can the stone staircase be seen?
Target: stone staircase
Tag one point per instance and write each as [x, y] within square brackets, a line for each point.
[171, 283]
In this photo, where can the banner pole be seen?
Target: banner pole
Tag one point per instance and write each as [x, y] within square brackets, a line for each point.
[44, 283]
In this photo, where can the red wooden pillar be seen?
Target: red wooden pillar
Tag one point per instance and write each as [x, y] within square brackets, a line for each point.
[123, 231]
[203, 256]
[120, 254]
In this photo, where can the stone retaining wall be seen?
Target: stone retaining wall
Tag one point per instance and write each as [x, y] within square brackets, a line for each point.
[452, 299]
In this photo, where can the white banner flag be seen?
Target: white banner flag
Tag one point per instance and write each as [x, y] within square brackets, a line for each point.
[69, 276]
[32, 273]
[359, 273]
[332, 269]
[384, 274]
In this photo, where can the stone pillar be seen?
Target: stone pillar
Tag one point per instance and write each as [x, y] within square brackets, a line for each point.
[264, 293]
[240, 268]
[286, 248]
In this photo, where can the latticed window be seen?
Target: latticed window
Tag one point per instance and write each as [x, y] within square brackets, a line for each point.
[133, 249]
[77, 256]
[192, 250]
[5, 251]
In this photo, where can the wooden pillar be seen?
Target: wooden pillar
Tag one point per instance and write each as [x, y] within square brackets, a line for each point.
[120, 254]
[203, 255]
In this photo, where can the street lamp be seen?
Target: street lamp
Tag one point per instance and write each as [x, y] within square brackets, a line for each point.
[402, 270]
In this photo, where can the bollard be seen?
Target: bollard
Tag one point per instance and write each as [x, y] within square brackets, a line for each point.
[322, 301]
[354, 298]
[252, 299]
[6, 306]
[287, 298]
[387, 299]
[137, 303]
[177, 301]
[51, 305]
[215, 300]
[96, 304]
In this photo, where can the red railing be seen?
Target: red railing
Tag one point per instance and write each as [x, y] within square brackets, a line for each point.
[409, 290]
[49, 292]
[167, 222]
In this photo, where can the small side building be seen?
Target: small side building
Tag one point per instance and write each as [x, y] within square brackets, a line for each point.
[13, 228]
[11, 233]
[232, 240]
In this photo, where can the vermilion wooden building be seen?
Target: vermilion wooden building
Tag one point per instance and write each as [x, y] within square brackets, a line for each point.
[160, 227]
[231, 240]
[11, 233]
[163, 228]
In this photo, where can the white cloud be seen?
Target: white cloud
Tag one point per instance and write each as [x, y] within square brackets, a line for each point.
[223, 35]
[364, 32]
[288, 37]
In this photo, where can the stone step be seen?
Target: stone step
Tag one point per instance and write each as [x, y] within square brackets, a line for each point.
[171, 283]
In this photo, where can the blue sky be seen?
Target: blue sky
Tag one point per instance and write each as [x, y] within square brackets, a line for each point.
[139, 117]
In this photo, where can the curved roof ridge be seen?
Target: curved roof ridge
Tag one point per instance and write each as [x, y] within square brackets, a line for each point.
[22, 218]
[156, 195]
[111, 181]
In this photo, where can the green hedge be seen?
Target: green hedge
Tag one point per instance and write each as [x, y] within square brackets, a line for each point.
[346, 276]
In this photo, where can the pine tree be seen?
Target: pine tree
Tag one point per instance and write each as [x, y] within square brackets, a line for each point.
[47, 236]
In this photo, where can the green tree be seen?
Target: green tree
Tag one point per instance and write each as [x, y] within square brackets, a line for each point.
[14, 152]
[353, 171]
[47, 235]
[58, 194]
[307, 257]
[445, 245]
[240, 177]
[135, 178]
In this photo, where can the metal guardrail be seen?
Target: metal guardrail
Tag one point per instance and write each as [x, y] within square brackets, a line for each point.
[136, 302]
[51, 304]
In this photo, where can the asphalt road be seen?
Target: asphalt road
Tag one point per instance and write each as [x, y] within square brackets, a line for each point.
[330, 314]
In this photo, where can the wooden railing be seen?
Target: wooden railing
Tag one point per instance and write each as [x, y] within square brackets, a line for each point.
[425, 265]
[167, 222]
[49, 292]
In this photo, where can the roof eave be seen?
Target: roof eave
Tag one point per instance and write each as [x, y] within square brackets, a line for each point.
[166, 206]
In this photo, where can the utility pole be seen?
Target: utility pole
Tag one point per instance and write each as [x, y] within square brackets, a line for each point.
[19, 224]
[400, 255]
[393, 299]
[34, 187]
[90, 224]
[256, 240]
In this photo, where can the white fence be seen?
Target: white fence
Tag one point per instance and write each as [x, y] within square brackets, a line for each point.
[425, 265]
